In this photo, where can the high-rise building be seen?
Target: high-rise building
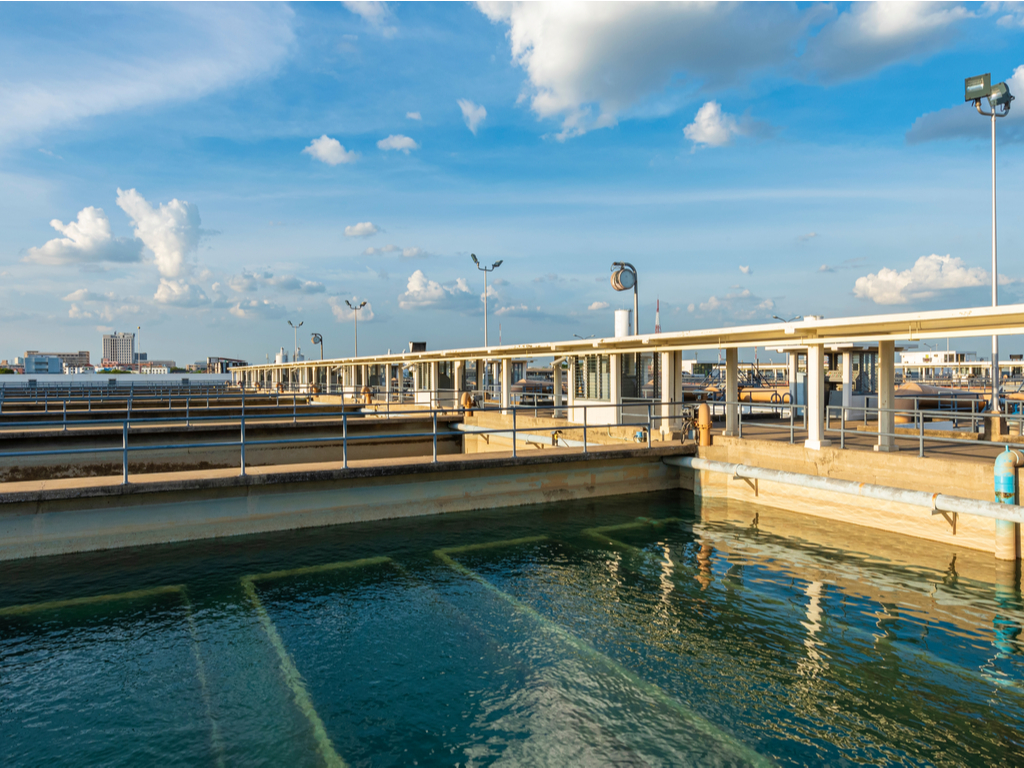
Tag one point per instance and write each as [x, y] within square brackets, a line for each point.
[119, 347]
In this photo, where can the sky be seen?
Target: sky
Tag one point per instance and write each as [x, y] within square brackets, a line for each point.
[209, 172]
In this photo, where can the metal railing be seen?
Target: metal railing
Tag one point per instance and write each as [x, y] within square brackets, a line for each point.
[680, 414]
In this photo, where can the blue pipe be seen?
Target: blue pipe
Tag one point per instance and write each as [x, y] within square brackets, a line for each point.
[1005, 480]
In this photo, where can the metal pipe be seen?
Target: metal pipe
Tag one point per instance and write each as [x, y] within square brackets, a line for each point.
[1005, 480]
[937, 502]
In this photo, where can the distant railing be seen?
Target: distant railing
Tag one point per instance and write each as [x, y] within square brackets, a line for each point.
[682, 415]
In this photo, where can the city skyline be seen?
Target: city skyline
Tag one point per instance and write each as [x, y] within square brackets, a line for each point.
[210, 172]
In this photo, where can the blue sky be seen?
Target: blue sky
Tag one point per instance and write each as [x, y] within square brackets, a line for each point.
[227, 168]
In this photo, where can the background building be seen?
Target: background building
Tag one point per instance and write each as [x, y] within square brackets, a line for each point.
[119, 347]
[70, 359]
[43, 364]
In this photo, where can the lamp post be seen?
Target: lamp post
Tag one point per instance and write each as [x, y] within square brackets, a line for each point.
[782, 320]
[316, 338]
[295, 328]
[624, 278]
[355, 318]
[485, 270]
[998, 95]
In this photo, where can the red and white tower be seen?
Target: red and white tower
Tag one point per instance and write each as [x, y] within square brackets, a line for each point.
[657, 317]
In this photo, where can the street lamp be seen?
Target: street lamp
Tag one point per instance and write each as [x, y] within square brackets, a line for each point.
[998, 95]
[485, 270]
[583, 337]
[624, 278]
[316, 338]
[355, 317]
[781, 320]
[295, 328]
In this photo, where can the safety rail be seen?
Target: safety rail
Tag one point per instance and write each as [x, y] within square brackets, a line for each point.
[681, 414]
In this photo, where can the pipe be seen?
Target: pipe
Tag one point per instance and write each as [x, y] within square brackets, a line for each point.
[1005, 479]
[937, 502]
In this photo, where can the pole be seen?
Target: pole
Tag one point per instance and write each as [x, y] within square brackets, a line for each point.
[485, 308]
[355, 318]
[995, 275]
[636, 310]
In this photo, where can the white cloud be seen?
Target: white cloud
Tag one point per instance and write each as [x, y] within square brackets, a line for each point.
[414, 115]
[249, 309]
[807, 237]
[88, 239]
[473, 114]
[598, 305]
[171, 231]
[330, 151]
[252, 281]
[712, 127]
[962, 121]
[869, 36]
[745, 270]
[376, 14]
[735, 306]
[422, 292]
[512, 309]
[407, 253]
[342, 312]
[928, 276]
[48, 153]
[179, 293]
[590, 62]
[174, 52]
[398, 142]
[362, 229]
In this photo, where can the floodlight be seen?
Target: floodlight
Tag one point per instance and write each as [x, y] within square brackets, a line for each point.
[473, 257]
[497, 264]
[1000, 96]
[977, 87]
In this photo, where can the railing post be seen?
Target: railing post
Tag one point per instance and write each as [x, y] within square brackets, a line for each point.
[920, 434]
[344, 439]
[792, 422]
[842, 426]
[585, 429]
[187, 405]
[65, 417]
[241, 440]
[650, 426]
[294, 411]
[124, 453]
[434, 415]
[513, 432]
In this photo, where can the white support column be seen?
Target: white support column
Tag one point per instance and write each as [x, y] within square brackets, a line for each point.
[556, 391]
[387, 381]
[415, 377]
[570, 395]
[365, 373]
[847, 379]
[506, 384]
[671, 370]
[434, 385]
[458, 382]
[816, 398]
[479, 375]
[886, 396]
[615, 388]
[732, 392]
[400, 376]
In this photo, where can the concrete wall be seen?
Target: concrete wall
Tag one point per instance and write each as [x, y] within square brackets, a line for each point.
[960, 477]
[77, 520]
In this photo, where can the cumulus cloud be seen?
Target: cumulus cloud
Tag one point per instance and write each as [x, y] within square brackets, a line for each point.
[397, 142]
[362, 229]
[514, 310]
[588, 63]
[174, 53]
[473, 114]
[343, 312]
[745, 270]
[88, 239]
[179, 293]
[330, 151]
[867, 37]
[171, 231]
[962, 121]
[414, 115]
[712, 127]
[253, 281]
[598, 305]
[422, 292]
[928, 276]
[106, 306]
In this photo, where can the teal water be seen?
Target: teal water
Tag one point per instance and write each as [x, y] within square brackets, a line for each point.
[625, 631]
